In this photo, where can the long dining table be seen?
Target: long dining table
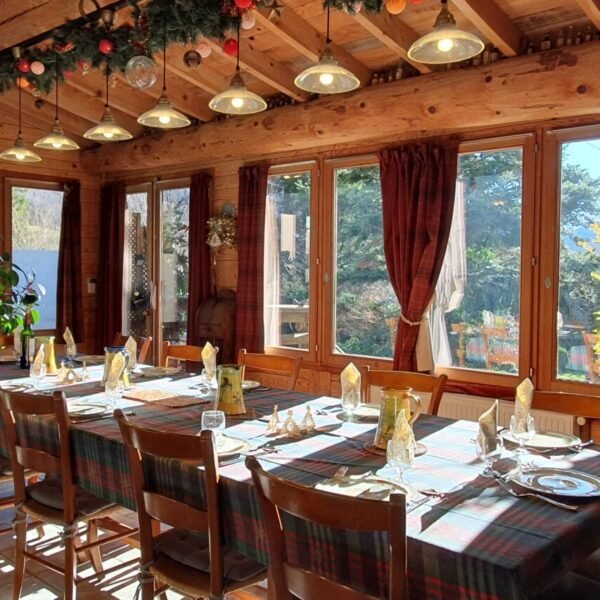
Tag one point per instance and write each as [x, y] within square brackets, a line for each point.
[473, 541]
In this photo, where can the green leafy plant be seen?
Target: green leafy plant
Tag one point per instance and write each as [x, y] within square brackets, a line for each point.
[19, 293]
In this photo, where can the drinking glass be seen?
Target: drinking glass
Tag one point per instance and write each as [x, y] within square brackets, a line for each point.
[114, 392]
[37, 375]
[214, 420]
[523, 430]
[487, 456]
[350, 401]
[400, 456]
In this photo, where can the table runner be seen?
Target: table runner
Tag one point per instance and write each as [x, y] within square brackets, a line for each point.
[477, 542]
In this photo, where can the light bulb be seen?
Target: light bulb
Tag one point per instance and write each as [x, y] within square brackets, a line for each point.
[164, 119]
[326, 78]
[19, 155]
[237, 102]
[56, 145]
[445, 45]
[109, 135]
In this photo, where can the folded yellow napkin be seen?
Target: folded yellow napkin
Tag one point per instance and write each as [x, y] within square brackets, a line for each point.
[403, 432]
[70, 342]
[523, 398]
[350, 379]
[36, 367]
[131, 349]
[488, 429]
[116, 369]
[209, 358]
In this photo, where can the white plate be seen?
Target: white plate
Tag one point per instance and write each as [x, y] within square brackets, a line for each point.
[229, 445]
[154, 371]
[545, 440]
[90, 359]
[5, 358]
[84, 410]
[247, 384]
[363, 412]
[559, 482]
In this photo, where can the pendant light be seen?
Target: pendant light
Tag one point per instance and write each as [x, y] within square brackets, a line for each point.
[56, 139]
[327, 76]
[237, 99]
[446, 43]
[107, 130]
[163, 115]
[19, 152]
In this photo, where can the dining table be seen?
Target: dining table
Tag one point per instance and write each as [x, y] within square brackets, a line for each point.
[467, 536]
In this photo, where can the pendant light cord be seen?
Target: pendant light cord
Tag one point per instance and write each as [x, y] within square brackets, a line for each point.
[20, 91]
[328, 39]
[107, 86]
[237, 63]
[164, 89]
[56, 102]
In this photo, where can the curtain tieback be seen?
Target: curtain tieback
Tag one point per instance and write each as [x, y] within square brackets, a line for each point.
[413, 323]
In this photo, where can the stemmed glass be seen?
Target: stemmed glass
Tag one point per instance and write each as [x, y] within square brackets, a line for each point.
[37, 374]
[114, 392]
[209, 375]
[350, 401]
[523, 430]
[400, 456]
[487, 455]
[214, 420]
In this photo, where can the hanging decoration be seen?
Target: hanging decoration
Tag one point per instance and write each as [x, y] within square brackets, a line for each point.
[37, 67]
[230, 47]
[222, 229]
[248, 19]
[395, 7]
[23, 65]
[276, 8]
[141, 72]
[204, 50]
[106, 46]
[192, 59]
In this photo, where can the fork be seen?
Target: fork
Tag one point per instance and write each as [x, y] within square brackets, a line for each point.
[340, 473]
[506, 487]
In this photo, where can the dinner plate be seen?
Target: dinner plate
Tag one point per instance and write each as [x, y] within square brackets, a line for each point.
[247, 384]
[154, 371]
[16, 387]
[361, 485]
[87, 410]
[545, 440]
[5, 358]
[559, 482]
[89, 359]
[229, 445]
[363, 412]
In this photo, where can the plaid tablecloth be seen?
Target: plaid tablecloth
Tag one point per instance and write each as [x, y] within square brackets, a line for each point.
[476, 542]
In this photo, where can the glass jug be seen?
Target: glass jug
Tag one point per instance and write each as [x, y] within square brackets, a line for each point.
[393, 400]
[230, 396]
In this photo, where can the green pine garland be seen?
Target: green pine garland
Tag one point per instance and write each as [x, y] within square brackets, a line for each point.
[182, 21]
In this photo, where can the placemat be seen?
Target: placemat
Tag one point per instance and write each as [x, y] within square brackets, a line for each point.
[163, 398]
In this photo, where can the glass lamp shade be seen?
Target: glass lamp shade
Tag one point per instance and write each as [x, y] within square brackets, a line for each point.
[56, 140]
[107, 130]
[20, 153]
[237, 99]
[163, 116]
[446, 43]
[327, 77]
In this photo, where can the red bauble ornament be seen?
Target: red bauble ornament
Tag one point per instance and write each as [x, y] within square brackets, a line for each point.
[243, 4]
[23, 65]
[105, 46]
[68, 74]
[230, 47]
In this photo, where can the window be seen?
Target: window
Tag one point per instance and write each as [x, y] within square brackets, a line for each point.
[578, 318]
[35, 211]
[287, 260]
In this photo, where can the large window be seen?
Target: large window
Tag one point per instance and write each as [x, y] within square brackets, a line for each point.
[34, 240]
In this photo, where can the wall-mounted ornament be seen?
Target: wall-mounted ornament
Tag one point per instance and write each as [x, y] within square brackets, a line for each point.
[222, 230]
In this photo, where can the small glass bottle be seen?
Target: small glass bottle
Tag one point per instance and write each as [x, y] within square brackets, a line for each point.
[27, 340]
[560, 39]
[569, 41]
[399, 72]
[546, 43]
[578, 38]
[589, 34]
[530, 48]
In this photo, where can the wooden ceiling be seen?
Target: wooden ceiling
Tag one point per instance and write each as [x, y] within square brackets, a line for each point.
[272, 53]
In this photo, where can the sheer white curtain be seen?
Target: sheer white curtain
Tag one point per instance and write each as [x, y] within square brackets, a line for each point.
[271, 275]
[451, 283]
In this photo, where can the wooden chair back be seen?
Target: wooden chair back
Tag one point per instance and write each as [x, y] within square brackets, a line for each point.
[329, 510]
[180, 352]
[143, 345]
[271, 369]
[420, 382]
[18, 406]
[141, 443]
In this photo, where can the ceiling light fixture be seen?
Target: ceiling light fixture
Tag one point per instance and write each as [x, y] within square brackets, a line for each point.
[56, 139]
[107, 130]
[446, 43]
[237, 99]
[163, 115]
[19, 152]
[327, 76]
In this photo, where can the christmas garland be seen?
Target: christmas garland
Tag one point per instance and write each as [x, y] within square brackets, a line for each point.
[85, 43]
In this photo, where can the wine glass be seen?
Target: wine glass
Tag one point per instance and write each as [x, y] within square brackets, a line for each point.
[523, 430]
[488, 453]
[114, 392]
[400, 456]
[37, 374]
[209, 375]
[350, 401]
[214, 420]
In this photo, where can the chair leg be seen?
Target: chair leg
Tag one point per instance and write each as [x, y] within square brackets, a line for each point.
[94, 553]
[70, 567]
[20, 547]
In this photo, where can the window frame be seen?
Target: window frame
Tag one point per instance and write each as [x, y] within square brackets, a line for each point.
[6, 232]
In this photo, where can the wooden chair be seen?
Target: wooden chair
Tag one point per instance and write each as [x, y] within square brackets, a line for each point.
[271, 369]
[56, 499]
[419, 382]
[143, 345]
[189, 557]
[329, 510]
[180, 352]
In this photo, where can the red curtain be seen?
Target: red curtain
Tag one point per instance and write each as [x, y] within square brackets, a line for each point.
[417, 185]
[110, 278]
[69, 298]
[199, 266]
[249, 324]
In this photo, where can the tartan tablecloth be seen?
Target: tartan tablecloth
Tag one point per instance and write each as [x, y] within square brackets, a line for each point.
[476, 542]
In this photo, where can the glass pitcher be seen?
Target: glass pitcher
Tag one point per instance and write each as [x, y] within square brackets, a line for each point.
[393, 400]
[230, 396]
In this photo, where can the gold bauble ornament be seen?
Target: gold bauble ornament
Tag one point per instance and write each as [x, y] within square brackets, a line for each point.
[395, 7]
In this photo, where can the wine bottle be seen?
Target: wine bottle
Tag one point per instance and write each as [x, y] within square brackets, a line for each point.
[27, 341]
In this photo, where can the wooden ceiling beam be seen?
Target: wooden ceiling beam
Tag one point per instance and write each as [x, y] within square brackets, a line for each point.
[493, 23]
[263, 67]
[526, 89]
[393, 33]
[305, 39]
[592, 9]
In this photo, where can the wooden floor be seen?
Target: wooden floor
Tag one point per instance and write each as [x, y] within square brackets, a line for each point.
[43, 584]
